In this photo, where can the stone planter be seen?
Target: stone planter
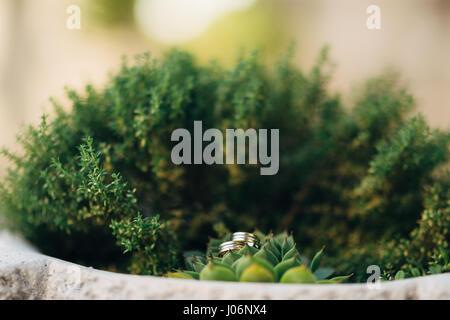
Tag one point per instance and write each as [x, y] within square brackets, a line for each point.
[27, 274]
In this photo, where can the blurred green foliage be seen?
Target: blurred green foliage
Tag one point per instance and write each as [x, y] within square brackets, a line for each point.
[110, 13]
[367, 181]
[262, 25]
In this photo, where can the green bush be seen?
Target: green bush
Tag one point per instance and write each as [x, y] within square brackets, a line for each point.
[356, 179]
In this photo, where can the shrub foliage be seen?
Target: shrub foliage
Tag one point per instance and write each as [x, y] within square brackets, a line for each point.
[367, 180]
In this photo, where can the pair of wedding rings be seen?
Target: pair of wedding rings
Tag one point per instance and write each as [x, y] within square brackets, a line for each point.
[238, 241]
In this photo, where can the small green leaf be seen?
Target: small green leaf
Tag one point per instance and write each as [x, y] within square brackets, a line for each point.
[292, 252]
[435, 269]
[265, 254]
[323, 273]
[415, 272]
[316, 260]
[399, 275]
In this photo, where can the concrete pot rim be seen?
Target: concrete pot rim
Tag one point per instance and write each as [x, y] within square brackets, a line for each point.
[27, 274]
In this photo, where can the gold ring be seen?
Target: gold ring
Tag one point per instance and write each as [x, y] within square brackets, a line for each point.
[238, 241]
[229, 246]
[246, 238]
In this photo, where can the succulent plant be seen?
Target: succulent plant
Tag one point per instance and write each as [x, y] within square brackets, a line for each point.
[276, 260]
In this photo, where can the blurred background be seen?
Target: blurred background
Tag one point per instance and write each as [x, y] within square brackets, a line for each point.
[40, 55]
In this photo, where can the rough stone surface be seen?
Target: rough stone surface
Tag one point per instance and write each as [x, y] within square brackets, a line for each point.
[27, 274]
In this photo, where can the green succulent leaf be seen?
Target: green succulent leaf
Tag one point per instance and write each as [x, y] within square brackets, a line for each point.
[291, 253]
[256, 273]
[248, 250]
[300, 274]
[285, 265]
[316, 260]
[216, 272]
[230, 257]
[323, 273]
[267, 255]
[273, 248]
[241, 264]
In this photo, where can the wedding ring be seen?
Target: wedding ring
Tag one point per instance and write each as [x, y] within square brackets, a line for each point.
[246, 238]
[229, 246]
[238, 241]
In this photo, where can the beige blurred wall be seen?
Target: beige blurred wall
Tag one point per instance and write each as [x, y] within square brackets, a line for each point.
[39, 55]
[414, 39]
